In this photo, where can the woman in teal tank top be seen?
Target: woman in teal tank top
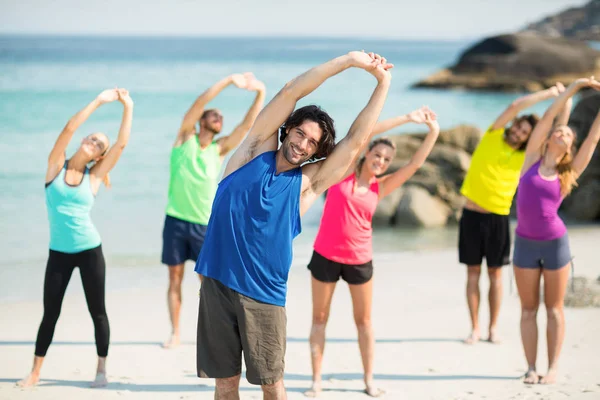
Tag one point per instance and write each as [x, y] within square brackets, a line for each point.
[71, 187]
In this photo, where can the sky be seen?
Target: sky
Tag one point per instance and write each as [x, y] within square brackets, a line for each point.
[393, 19]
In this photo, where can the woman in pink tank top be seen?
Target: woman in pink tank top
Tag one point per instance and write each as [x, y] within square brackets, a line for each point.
[343, 246]
[541, 242]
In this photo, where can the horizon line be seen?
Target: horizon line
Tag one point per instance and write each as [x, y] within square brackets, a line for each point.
[240, 36]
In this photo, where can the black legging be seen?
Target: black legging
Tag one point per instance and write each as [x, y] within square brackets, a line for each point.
[92, 269]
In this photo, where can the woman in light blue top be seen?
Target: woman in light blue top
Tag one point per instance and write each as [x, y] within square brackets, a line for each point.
[71, 187]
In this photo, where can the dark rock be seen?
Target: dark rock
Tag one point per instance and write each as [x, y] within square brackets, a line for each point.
[581, 23]
[584, 201]
[522, 62]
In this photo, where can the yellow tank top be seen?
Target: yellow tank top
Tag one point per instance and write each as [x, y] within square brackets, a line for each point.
[493, 176]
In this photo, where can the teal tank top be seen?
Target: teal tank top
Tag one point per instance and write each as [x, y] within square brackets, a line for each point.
[71, 227]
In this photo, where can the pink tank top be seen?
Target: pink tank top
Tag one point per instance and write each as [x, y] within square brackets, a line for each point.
[345, 233]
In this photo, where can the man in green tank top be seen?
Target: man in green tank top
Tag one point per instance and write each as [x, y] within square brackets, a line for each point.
[195, 166]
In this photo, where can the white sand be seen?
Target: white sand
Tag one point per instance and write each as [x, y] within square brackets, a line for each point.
[420, 317]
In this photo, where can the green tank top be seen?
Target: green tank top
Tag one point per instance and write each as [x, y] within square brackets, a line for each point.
[69, 206]
[193, 182]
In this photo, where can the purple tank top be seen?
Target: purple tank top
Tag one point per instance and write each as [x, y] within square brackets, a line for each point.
[538, 200]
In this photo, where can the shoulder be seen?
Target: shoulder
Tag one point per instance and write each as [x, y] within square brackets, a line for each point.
[492, 131]
[184, 140]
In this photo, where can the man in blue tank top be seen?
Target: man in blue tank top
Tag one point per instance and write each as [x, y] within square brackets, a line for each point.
[256, 215]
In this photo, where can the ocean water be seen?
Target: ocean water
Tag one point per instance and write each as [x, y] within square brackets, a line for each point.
[45, 80]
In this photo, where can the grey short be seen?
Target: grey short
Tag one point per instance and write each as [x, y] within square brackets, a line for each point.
[230, 323]
[546, 254]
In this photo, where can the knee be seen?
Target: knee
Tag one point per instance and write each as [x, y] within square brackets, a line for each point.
[100, 317]
[363, 323]
[473, 274]
[50, 316]
[175, 283]
[495, 280]
[227, 385]
[274, 388]
[320, 318]
[529, 313]
[554, 313]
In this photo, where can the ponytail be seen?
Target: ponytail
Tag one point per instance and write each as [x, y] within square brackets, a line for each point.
[566, 175]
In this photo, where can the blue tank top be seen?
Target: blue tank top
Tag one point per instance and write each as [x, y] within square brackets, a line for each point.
[71, 227]
[255, 217]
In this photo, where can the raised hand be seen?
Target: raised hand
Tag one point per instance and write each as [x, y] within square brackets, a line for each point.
[557, 89]
[124, 98]
[255, 85]
[242, 80]
[587, 82]
[419, 116]
[107, 96]
[431, 121]
[372, 63]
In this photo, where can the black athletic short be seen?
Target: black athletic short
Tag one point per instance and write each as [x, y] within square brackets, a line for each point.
[484, 235]
[325, 270]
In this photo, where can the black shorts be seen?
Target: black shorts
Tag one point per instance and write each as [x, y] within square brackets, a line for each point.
[484, 235]
[182, 240]
[325, 270]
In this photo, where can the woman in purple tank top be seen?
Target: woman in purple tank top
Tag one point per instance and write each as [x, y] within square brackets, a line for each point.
[343, 246]
[541, 245]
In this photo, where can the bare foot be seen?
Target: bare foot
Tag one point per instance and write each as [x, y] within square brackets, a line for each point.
[493, 338]
[30, 380]
[549, 378]
[314, 391]
[100, 380]
[531, 377]
[172, 342]
[373, 391]
[473, 338]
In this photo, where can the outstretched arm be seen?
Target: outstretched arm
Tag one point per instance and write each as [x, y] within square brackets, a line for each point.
[103, 167]
[192, 116]
[523, 103]
[263, 135]
[391, 182]
[231, 141]
[541, 130]
[565, 113]
[320, 176]
[585, 153]
[56, 159]
[416, 116]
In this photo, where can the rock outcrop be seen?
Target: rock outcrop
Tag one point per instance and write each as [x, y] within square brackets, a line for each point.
[518, 62]
[581, 23]
[584, 201]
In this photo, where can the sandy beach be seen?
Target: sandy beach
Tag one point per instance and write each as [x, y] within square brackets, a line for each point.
[420, 319]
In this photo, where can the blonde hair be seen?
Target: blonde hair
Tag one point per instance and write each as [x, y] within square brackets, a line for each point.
[384, 140]
[566, 174]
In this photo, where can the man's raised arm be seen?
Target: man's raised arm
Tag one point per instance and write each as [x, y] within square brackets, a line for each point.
[187, 128]
[282, 105]
[322, 175]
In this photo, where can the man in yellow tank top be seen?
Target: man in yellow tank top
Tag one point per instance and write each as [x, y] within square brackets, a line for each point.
[196, 160]
[489, 188]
